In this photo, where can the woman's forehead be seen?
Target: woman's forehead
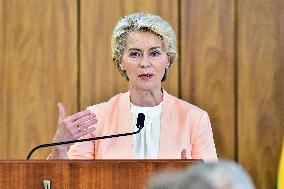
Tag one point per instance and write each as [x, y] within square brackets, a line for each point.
[142, 39]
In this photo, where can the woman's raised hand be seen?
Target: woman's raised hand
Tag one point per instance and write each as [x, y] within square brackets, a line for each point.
[73, 127]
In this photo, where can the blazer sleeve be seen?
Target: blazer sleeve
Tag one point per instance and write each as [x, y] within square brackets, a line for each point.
[203, 146]
[82, 150]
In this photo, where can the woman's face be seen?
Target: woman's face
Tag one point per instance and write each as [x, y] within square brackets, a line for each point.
[144, 60]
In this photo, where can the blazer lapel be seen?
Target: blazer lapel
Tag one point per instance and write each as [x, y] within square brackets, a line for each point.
[168, 148]
[125, 125]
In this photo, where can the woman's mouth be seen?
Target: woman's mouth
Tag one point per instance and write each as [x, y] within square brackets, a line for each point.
[145, 76]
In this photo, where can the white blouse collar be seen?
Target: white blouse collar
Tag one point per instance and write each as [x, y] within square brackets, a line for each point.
[154, 110]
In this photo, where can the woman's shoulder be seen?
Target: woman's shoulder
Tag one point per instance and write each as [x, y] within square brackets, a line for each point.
[184, 106]
[96, 108]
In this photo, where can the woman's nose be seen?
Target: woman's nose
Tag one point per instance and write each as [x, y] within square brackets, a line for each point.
[145, 62]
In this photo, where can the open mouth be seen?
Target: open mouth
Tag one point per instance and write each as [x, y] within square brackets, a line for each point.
[146, 76]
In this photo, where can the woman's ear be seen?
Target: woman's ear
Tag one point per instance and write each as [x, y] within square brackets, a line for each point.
[168, 63]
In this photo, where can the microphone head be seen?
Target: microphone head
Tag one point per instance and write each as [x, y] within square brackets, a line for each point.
[140, 121]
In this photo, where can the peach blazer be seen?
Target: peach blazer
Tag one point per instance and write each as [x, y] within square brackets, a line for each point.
[184, 128]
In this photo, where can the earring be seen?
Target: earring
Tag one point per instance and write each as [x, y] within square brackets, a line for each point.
[167, 67]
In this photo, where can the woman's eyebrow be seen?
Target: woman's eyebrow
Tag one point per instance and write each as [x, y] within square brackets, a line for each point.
[157, 47]
[152, 48]
[134, 49]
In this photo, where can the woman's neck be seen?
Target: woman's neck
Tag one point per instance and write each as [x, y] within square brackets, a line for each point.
[145, 98]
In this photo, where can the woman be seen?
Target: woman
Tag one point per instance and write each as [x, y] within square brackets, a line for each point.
[143, 49]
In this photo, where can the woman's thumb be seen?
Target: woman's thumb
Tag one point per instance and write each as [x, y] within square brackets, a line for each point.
[61, 111]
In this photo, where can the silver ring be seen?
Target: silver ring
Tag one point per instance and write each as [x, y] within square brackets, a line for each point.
[80, 130]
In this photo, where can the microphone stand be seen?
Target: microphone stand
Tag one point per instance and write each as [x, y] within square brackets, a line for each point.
[82, 140]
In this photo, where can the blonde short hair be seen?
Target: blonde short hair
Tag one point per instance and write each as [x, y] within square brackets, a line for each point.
[142, 22]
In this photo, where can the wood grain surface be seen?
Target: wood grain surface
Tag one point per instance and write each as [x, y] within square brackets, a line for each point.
[38, 69]
[261, 88]
[207, 66]
[100, 79]
[103, 174]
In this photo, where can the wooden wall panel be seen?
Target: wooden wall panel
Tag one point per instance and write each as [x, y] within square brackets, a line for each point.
[207, 65]
[3, 97]
[261, 87]
[38, 69]
[99, 78]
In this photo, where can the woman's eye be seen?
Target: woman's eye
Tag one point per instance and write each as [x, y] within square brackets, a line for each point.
[134, 54]
[155, 53]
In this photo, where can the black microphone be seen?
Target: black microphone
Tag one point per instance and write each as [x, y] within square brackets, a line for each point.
[139, 124]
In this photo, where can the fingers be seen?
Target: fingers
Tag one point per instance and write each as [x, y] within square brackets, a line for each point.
[80, 122]
[74, 126]
[88, 124]
[72, 131]
[183, 154]
[84, 119]
[61, 111]
[85, 132]
[78, 115]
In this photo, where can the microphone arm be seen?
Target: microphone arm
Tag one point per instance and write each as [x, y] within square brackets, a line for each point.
[80, 140]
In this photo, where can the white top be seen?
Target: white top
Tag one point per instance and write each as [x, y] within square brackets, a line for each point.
[146, 143]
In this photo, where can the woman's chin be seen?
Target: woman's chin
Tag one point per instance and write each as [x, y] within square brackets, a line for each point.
[148, 86]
